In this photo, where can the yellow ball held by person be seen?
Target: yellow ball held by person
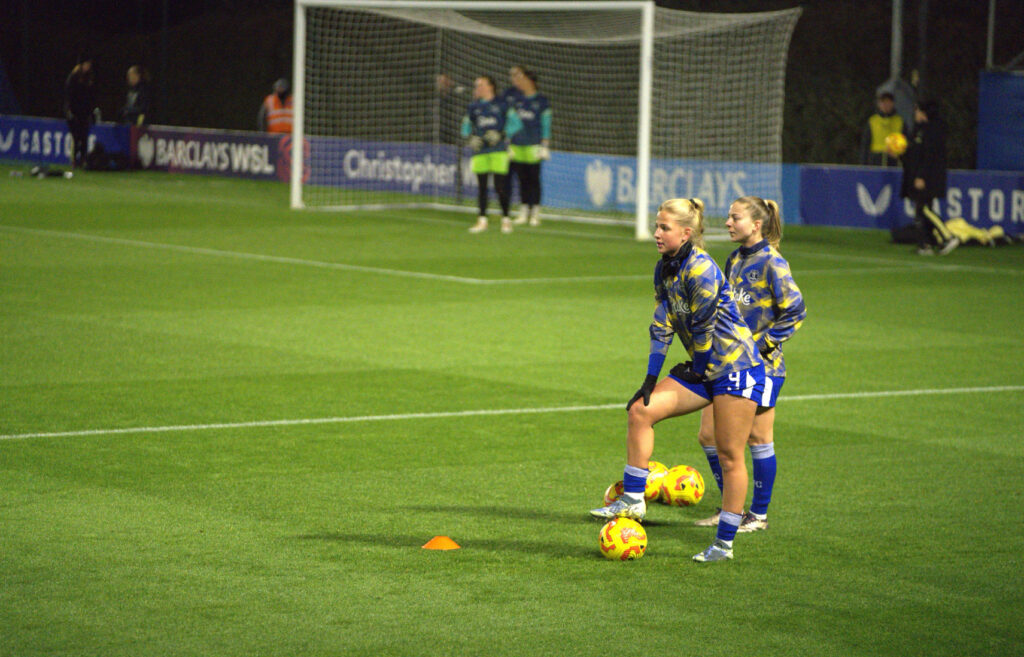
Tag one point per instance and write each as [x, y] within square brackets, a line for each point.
[623, 539]
[682, 486]
[896, 143]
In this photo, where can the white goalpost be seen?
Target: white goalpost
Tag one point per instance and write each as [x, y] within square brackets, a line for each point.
[647, 103]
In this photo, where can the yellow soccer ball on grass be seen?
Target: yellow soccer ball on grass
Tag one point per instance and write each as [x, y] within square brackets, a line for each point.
[682, 486]
[622, 539]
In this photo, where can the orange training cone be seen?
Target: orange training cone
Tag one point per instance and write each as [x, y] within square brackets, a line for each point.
[441, 543]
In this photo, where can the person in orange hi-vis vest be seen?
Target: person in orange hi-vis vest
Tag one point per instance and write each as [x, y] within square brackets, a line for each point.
[276, 111]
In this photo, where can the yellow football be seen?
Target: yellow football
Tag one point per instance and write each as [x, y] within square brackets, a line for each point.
[896, 143]
[622, 539]
[682, 486]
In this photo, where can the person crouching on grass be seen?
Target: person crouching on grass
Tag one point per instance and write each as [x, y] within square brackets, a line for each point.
[694, 302]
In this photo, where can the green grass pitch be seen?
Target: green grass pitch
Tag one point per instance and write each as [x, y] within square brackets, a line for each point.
[227, 429]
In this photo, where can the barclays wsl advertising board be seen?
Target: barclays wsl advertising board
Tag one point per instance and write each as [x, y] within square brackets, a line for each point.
[864, 197]
[869, 197]
[571, 180]
[191, 150]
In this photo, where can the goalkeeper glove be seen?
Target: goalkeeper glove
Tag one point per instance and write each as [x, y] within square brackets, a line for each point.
[493, 137]
[543, 153]
[475, 142]
[684, 371]
[645, 391]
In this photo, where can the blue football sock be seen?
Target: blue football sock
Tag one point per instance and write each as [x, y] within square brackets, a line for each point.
[728, 523]
[716, 467]
[634, 483]
[764, 477]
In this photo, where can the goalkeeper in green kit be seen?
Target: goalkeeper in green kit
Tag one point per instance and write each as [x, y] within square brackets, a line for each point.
[488, 124]
[529, 145]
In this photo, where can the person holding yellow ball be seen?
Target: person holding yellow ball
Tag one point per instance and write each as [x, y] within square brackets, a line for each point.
[874, 150]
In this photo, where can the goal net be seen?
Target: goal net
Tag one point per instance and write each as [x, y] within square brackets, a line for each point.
[647, 103]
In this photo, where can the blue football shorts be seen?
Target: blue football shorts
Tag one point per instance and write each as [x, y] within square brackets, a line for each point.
[772, 387]
[749, 383]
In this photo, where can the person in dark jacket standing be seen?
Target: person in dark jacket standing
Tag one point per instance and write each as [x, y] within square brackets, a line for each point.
[79, 108]
[924, 179]
[136, 108]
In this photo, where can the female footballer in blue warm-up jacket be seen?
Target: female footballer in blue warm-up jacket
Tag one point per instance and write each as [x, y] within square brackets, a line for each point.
[726, 371]
[773, 308]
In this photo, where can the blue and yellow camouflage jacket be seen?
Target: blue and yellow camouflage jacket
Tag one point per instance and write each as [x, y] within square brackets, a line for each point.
[768, 299]
[694, 302]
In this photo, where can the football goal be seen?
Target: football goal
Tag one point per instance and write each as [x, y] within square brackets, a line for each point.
[647, 103]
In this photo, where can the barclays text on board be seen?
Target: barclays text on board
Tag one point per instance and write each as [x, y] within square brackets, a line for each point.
[184, 154]
[211, 152]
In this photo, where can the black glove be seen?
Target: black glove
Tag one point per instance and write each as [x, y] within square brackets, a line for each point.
[768, 348]
[685, 372]
[645, 391]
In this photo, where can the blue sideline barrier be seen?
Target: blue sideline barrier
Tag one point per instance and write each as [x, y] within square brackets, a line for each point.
[869, 197]
[860, 197]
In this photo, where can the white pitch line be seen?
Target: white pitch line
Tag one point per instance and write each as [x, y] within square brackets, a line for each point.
[322, 264]
[897, 266]
[247, 256]
[472, 413]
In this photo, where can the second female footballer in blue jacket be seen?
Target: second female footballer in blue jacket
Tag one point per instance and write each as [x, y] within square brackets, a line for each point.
[773, 308]
[693, 302]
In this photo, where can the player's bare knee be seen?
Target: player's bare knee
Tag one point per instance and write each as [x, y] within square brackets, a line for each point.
[644, 417]
[640, 414]
[730, 459]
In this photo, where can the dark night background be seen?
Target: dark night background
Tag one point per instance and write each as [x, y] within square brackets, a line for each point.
[223, 55]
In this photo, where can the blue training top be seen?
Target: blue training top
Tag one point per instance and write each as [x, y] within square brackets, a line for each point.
[535, 113]
[768, 298]
[494, 114]
[694, 301]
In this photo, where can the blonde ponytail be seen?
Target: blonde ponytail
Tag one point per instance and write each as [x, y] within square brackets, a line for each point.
[688, 213]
